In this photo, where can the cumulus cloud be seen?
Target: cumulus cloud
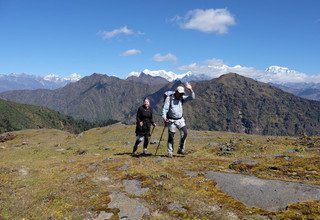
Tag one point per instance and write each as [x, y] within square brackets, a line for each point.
[209, 20]
[111, 34]
[130, 52]
[214, 68]
[168, 57]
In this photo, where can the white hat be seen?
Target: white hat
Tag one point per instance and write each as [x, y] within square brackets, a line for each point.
[180, 89]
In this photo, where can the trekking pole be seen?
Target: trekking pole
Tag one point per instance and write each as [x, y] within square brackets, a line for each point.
[164, 127]
[151, 135]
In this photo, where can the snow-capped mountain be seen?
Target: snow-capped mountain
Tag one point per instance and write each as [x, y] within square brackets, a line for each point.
[170, 76]
[21, 81]
[55, 78]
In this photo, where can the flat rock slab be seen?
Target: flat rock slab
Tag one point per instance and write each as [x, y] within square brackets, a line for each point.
[129, 208]
[134, 187]
[271, 195]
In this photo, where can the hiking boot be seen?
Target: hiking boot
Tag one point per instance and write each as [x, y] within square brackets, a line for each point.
[182, 152]
[145, 151]
[170, 155]
[134, 154]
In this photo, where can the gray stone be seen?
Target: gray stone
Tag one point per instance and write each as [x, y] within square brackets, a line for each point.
[6, 137]
[92, 167]
[192, 174]
[104, 216]
[176, 207]
[213, 144]
[129, 208]
[246, 162]
[154, 142]
[134, 187]
[124, 167]
[271, 195]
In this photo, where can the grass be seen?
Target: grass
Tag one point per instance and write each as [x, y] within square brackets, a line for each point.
[51, 174]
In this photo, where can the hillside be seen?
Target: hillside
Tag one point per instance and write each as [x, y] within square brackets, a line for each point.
[240, 104]
[228, 103]
[93, 175]
[96, 97]
[245, 105]
[14, 116]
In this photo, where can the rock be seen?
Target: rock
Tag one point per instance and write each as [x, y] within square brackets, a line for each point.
[271, 195]
[213, 144]
[80, 152]
[134, 187]
[176, 207]
[104, 148]
[191, 174]
[24, 171]
[79, 177]
[92, 167]
[154, 142]
[243, 165]
[129, 208]
[7, 170]
[159, 159]
[165, 176]
[107, 159]
[124, 167]
[6, 137]
[104, 216]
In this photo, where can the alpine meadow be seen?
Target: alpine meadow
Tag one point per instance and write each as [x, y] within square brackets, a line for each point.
[159, 110]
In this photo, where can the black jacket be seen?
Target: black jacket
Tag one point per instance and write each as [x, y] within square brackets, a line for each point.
[144, 115]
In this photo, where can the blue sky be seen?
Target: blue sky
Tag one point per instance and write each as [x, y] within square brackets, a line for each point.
[43, 37]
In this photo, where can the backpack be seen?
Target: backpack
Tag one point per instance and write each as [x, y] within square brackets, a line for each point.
[166, 94]
[169, 93]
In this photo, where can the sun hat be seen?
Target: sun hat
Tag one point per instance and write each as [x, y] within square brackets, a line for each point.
[180, 89]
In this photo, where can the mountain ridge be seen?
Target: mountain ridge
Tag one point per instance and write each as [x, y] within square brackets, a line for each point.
[228, 103]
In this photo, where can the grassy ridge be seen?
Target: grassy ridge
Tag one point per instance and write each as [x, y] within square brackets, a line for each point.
[71, 177]
[14, 116]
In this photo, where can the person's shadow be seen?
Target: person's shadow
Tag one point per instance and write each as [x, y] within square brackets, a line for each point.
[145, 155]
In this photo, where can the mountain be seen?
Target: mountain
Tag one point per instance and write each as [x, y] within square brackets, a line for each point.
[305, 90]
[240, 104]
[228, 103]
[148, 79]
[14, 116]
[291, 81]
[14, 81]
[95, 97]
[169, 76]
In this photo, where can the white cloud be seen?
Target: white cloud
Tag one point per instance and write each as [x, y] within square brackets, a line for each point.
[168, 57]
[123, 30]
[209, 20]
[130, 52]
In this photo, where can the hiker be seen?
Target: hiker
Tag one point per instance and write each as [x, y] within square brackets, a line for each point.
[172, 114]
[144, 121]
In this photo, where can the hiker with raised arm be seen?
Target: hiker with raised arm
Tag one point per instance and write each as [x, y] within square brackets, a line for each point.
[144, 120]
[172, 114]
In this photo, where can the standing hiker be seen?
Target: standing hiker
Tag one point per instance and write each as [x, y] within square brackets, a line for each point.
[172, 114]
[144, 121]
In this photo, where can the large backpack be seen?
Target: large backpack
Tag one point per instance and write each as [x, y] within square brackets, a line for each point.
[166, 94]
[169, 93]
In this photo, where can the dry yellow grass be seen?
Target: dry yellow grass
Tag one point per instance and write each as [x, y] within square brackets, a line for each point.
[54, 174]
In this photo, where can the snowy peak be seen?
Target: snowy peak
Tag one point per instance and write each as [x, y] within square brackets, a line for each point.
[170, 76]
[15, 81]
[55, 78]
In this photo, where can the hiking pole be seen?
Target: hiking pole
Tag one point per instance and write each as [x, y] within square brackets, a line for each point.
[151, 135]
[164, 127]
